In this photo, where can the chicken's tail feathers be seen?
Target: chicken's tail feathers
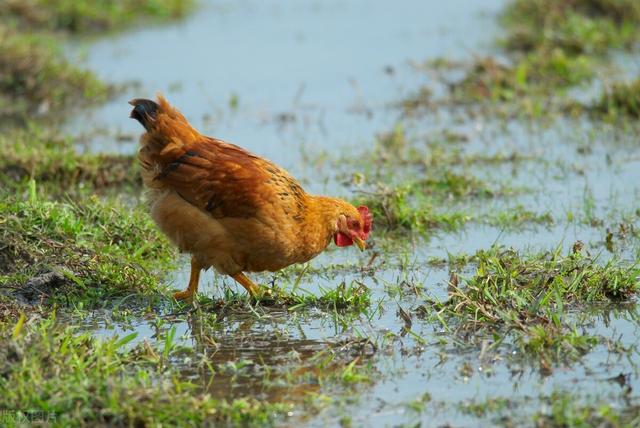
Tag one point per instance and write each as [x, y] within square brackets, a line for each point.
[168, 130]
[144, 111]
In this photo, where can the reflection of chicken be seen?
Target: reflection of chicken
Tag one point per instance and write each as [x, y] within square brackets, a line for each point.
[231, 209]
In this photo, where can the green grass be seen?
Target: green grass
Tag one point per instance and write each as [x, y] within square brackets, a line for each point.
[483, 408]
[529, 85]
[535, 73]
[44, 156]
[566, 411]
[354, 297]
[550, 46]
[532, 298]
[405, 207]
[36, 80]
[447, 203]
[84, 16]
[619, 100]
[75, 379]
[561, 408]
[427, 184]
[516, 217]
[581, 34]
[78, 380]
[575, 26]
[102, 249]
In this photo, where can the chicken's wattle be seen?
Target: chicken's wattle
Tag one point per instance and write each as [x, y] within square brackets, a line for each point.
[342, 240]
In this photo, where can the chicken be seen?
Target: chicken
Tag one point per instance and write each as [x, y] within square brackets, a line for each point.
[231, 209]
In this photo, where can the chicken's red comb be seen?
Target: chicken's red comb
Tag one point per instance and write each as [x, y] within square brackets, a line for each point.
[367, 218]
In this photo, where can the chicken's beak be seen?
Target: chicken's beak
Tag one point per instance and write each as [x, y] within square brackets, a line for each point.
[359, 242]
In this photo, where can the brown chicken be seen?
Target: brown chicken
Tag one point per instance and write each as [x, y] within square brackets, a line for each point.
[231, 209]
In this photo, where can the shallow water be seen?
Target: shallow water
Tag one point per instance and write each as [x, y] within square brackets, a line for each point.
[312, 77]
[283, 341]
[306, 75]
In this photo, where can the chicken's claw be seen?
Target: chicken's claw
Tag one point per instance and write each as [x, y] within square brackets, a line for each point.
[183, 295]
[192, 288]
[253, 290]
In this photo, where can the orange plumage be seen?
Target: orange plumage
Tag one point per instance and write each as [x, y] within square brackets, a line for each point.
[229, 208]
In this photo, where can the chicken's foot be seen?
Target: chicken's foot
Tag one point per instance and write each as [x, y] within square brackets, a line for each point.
[254, 290]
[192, 288]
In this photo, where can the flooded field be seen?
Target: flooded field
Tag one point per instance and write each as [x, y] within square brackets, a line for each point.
[281, 78]
[500, 284]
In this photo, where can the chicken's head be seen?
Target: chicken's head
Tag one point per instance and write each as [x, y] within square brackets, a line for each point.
[354, 227]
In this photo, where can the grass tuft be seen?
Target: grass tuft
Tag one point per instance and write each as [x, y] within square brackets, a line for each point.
[84, 16]
[532, 297]
[621, 99]
[89, 250]
[576, 26]
[550, 46]
[534, 73]
[564, 410]
[53, 162]
[74, 379]
[36, 80]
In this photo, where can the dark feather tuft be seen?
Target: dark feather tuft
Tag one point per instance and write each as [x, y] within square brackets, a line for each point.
[144, 111]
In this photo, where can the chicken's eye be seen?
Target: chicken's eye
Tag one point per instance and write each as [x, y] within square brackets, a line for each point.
[354, 224]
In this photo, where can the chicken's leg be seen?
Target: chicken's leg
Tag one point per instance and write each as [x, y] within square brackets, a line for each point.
[192, 288]
[254, 290]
